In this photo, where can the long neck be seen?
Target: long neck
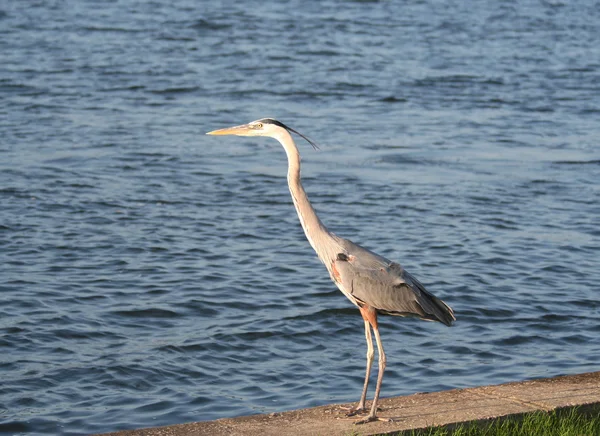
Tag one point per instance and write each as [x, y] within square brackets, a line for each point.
[322, 240]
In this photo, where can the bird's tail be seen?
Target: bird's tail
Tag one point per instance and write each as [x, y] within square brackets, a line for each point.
[441, 311]
[434, 308]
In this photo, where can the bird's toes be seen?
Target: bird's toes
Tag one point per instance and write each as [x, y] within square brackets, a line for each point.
[365, 420]
[355, 411]
[371, 419]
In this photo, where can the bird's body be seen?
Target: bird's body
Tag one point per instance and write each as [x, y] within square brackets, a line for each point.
[373, 283]
[369, 279]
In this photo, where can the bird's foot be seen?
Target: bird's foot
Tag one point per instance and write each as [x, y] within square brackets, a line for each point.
[353, 411]
[372, 418]
[358, 410]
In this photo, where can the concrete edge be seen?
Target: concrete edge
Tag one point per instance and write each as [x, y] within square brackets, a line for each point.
[413, 412]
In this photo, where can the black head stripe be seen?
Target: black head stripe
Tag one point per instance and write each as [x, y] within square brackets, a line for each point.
[273, 121]
[289, 129]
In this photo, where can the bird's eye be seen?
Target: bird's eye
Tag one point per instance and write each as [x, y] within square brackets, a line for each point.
[258, 126]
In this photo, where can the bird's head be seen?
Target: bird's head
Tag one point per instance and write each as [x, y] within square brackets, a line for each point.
[263, 127]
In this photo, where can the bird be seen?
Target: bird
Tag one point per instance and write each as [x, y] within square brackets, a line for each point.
[371, 282]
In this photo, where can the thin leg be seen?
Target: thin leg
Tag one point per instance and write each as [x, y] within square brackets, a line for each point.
[373, 414]
[370, 355]
[382, 362]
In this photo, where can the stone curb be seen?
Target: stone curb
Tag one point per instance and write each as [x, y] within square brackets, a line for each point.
[415, 411]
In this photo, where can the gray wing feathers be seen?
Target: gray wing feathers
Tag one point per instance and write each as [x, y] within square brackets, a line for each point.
[387, 287]
[431, 304]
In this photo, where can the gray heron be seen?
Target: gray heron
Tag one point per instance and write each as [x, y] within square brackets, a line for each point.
[371, 282]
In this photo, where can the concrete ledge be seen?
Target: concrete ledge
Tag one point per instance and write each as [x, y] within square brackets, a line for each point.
[410, 412]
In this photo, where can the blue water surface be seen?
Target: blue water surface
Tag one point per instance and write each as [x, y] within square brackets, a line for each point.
[152, 275]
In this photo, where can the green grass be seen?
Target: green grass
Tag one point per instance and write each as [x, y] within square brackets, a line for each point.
[570, 422]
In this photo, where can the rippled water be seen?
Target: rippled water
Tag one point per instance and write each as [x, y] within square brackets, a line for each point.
[153, 275]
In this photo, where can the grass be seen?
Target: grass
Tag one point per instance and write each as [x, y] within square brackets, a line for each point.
[571, 422]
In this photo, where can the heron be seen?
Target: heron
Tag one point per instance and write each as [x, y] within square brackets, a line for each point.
[371, 282]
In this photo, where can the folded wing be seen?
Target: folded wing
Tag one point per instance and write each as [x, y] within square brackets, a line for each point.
[384, 285]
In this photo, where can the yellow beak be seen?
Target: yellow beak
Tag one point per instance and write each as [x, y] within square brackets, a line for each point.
[235, 130]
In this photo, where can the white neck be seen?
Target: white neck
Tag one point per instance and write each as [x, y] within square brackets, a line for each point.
[320, 238]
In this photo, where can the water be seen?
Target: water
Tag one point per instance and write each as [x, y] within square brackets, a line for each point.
[152, 275]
